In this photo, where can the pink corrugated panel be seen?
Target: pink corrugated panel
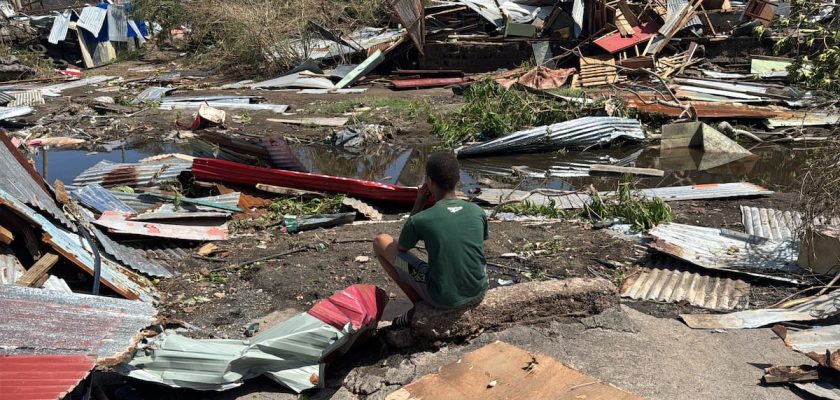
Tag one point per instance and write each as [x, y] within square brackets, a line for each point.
[41, 377]
[358, 305]
[426, 82]
[615, 42]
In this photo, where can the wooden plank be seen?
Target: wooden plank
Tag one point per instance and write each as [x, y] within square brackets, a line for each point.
[614, 169]
[318, 121]
[38, 272]
[288, 191]
[502, 371]
[6, 236]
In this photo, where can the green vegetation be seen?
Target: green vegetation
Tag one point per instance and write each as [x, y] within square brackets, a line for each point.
[527, 208]
[641, 213]
[256, 37]
[295, 206]
[493, 111]
[815, 45]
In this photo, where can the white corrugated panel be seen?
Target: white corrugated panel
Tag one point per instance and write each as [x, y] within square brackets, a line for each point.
[92, 19]
[60, 26]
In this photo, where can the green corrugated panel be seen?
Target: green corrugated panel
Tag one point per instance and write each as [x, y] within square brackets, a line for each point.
[289, 353]
[765, 65]
[361, 70]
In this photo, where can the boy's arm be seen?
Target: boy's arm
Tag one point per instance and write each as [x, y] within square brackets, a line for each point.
[423, 195]
[408, 237]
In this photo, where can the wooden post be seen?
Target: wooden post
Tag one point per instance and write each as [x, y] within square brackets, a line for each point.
[6, 236]
[37, 274]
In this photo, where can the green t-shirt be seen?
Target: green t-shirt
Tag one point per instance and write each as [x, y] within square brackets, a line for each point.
[454, 232]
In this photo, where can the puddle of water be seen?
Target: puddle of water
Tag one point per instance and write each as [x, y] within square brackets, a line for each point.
[776, 167]
[65, 165]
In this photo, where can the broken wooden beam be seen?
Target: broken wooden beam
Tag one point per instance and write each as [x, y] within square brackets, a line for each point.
[6, 236]
[614, 169]
[37, 274]
[784, 373]
[531, 302]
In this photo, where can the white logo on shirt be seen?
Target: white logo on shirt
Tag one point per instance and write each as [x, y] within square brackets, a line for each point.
[453, 210]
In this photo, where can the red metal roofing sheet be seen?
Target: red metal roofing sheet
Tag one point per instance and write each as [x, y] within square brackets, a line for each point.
[41, 377]
[615, 42]
[212, 170]
[358, 305]
[426, 82]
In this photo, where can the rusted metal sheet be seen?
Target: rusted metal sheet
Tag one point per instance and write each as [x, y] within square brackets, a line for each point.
[269, 150]
[818, 308]
[110, 174]
[42, 377]
[518, 374]
[37, 321]
[616, 42]
[822, 389]
[72, 246]
[19, 179]
[411, 14]
[671, 281]
[364, 208]
[425, 82]
[725, 250]
[116, 222]
[820, 343]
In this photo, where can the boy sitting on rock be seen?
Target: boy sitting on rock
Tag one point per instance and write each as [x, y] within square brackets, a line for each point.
[453, 231]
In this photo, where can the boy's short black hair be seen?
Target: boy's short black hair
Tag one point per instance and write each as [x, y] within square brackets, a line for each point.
[443, 169]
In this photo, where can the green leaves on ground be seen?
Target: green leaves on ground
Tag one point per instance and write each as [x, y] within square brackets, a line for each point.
[493, 111]
[640, 212]
[296, 206]
[527, 208]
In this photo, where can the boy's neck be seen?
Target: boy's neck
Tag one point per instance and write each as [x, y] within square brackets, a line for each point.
[446, 196]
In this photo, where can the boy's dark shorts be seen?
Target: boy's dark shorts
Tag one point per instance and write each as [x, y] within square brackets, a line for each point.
[413, 271]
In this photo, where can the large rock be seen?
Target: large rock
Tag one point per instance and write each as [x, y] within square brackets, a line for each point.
[524, 303]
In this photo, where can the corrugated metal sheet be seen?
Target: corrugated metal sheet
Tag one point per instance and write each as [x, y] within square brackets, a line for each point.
[816, 340]
[185, 105]
[73, 247]
[19, 179]
[131, 257]
[214, 98]
[368, 65]
[574, 200]
[291, 352]
[116, 222]
[117, 23]
[725, 250]
[140, 202]
[100, 199]
[92, 19]
[168, 253]
[27, 98]
[581, 132]
[295, 80]
[92, 80]
[270, 150]
[42, 377]
[577, 16]
[152, 94]
[822, 389]
[671, 281]
[224, 171]
[14, 112]
[39, 321]
[110, 174]
[772, 224]
[676, 5]
[819, 308]
[411, 15]
[5, 98]
[169, 211]
[11, 270]
[60, 25]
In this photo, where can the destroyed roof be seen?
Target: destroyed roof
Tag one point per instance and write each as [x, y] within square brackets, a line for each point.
[110, 174]
[820, 307]
[38, 321]
[11, 269]
[71, 246]
[581, 132]
[725, 250]
[98, 198]
[42, 377]
[20, 180]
